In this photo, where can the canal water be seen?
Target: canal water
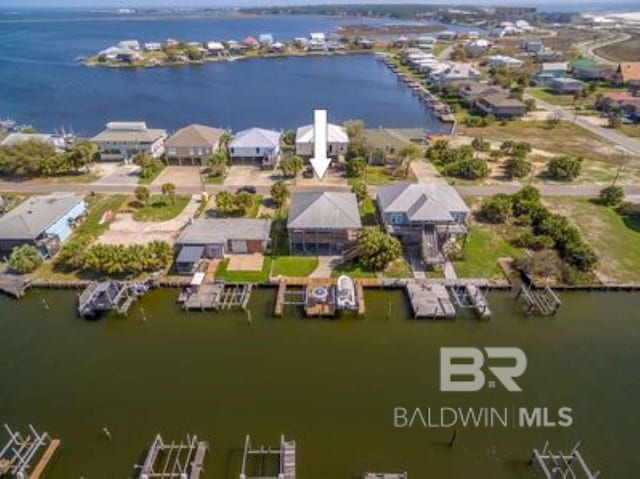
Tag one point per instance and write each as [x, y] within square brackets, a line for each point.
[43, 85]
[330, 385]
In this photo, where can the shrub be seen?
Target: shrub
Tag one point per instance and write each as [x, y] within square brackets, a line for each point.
[564, 168]
[356, 167]
[279, 193]
[580, 255]
[534, 242]
[517, 167]
[612, 195]
[24, 259]
[468, 168]
[497, 209]
[378, 248]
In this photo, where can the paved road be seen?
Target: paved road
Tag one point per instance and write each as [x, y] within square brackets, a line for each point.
[587, 49]
[479, 190]
[629, 144]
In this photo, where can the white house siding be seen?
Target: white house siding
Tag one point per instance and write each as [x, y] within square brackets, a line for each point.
[62, 227]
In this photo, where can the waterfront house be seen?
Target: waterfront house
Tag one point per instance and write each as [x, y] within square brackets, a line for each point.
[265, 39]
[322, 223]
[250, 42]
[337, 141]
[501, 105]
[423, 214]
[446, 35]
[317, 42]
[214, 48]
[121, 141]
[455, 73]
[471, 92]
[256, 146]
[627, 73]
[566, 85]
[192, 145]
[213, 238]
[119, 54]
[586, 69]
[129, 45]
[59, 142]
[42, 221]
[500, 61]
[152, 47]
[547, 72]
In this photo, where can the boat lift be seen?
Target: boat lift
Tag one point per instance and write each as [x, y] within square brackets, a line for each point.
[561, 465]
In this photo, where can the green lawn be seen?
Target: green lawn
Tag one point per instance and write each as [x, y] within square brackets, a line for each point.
[214, 179]
[294, 265]
[244, 276]
[616, 239]
[255, 207]
[355, 270]
[161, 208]
[400, 268]
[153, 176]
[368, 212]
[544, 94]
[484, 246]
[98, 205]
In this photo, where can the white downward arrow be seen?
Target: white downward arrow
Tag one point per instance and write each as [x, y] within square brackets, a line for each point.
[320, 161]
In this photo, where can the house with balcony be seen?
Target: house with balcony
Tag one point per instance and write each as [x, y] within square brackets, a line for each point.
[337, 141]
[256, 146]
[423, 215]
[121, 141]
[322, 223]
[193, 145]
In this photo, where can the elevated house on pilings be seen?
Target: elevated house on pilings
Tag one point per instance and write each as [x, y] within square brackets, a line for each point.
[422, 215]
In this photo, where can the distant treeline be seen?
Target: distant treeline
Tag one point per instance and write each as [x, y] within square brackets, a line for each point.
[378, 10]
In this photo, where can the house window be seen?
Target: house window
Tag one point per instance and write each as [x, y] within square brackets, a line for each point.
[257, 151]
[397, 218]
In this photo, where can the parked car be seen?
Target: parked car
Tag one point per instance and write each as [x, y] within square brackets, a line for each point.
[249, 189]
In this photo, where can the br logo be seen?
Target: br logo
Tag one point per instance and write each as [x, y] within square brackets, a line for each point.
[462, 369]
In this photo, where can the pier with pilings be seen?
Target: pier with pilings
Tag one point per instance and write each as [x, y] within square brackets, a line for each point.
[558, 464]
[269, 463]
[216, 296]
[110, 295]
[174, 460]
[26, 455]
[539, 301]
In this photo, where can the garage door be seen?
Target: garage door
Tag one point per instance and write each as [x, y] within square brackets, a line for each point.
[238, 246]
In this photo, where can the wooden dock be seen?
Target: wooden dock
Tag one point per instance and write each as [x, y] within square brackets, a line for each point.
[320, 297]
[14, 285]
[430, 300]
[45, 459]
[316, 295]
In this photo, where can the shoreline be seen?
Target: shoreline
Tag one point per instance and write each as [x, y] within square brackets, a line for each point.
[92, 61]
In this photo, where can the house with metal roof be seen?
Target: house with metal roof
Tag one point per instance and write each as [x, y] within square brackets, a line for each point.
[322, 223]
[337, 141]
[216, 237]
[587, 69]
[42, 221]
[256, 146]
[547, 72]
[193, 145]
[627, 72]
[121, 141]
[501, 105]
[423, 214]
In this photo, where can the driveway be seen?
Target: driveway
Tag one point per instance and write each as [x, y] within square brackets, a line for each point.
[180, 176]
[125, 230]
[113, 174]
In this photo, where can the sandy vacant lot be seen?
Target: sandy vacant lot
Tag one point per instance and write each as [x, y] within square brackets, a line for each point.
[125, 230]
[179, 176]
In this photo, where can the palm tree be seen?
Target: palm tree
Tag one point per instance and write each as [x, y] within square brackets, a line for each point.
[25, 259]
[169, 189]
[142, 194]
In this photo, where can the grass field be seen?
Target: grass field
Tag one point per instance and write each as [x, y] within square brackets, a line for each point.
[601, 158]
[615, 238]
[244, 276]
[161, 208]
[354, 269]
[626, 51]
[485, 244]
[294, 265]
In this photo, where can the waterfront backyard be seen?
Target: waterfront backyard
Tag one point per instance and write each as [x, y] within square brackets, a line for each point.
[172, 374]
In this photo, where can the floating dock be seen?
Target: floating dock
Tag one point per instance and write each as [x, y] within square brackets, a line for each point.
[267, 463]
[216, 296]
[559, 464]
[182, 460]
[430, 300]
[26, 456]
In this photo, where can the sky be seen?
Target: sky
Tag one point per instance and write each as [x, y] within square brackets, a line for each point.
[244, 3]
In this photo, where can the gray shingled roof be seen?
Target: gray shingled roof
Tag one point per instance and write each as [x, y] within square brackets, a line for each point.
[421, 201]
[256, 138]
[195, 136]
[319, 210]
[220, 230]
[32, 218]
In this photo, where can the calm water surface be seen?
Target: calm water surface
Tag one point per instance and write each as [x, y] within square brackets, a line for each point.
[41, 83]
[331, 385]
